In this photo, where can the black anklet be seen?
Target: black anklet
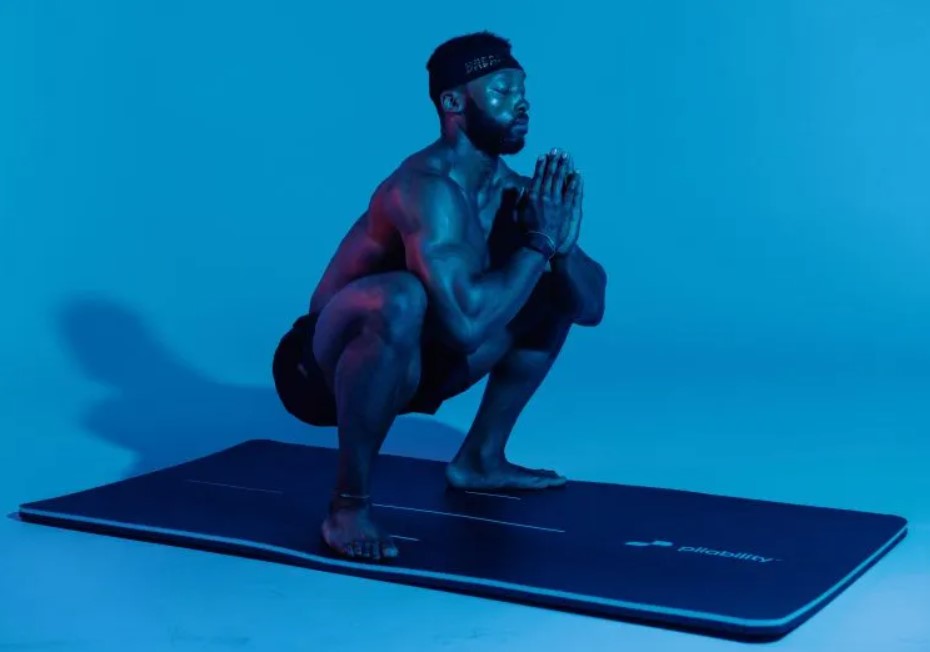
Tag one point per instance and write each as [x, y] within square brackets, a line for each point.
[362, 499]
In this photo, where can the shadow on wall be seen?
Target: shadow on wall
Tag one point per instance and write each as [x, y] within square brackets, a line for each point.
[167, 412]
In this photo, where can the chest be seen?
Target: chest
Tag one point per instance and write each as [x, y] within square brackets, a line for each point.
[487, 214]
[495, 230]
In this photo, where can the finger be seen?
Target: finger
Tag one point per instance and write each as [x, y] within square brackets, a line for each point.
[563, 169]
[566, 171]
[546, 184]
[569, 166]
[569, 185]
[577, 191]
[552, 162]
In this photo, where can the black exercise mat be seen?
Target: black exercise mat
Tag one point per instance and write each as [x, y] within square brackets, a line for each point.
[732, 567]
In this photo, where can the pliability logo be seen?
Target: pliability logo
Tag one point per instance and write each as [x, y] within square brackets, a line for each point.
[742, 556]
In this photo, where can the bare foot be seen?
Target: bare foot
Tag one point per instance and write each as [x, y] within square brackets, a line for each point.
[465, 474]
[349, 531]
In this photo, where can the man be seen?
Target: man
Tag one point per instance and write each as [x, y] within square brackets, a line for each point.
[459, 269]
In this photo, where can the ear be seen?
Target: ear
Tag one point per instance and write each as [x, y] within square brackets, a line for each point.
[452, 101]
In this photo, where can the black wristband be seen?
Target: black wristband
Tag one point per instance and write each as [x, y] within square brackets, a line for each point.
[539, 241]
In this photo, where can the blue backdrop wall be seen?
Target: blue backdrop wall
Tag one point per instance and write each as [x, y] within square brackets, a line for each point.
[174, 177]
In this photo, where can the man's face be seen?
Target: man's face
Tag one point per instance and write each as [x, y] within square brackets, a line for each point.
[496, 112]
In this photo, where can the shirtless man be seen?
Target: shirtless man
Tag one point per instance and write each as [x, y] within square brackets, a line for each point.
[458, 269]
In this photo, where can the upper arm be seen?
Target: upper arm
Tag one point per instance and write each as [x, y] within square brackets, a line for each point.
[434, 220]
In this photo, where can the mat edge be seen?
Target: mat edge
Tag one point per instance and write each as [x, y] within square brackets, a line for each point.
[760, 627]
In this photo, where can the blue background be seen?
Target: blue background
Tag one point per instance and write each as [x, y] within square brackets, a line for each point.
[174, 177]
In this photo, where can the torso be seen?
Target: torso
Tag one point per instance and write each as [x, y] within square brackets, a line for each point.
[373, 244]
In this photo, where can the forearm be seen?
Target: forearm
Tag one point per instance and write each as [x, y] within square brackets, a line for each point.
[498, 295]
[581, 284]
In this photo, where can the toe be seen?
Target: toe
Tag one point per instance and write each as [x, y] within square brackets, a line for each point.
[390, 550]
[540, 481]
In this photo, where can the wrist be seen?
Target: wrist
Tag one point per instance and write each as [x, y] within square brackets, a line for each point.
[541, 242]
[561, 257]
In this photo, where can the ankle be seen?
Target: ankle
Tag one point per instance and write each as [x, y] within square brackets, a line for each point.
[345, 501]
[483, 460]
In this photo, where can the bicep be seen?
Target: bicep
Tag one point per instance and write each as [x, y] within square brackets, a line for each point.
[446, 270]
[437, 251]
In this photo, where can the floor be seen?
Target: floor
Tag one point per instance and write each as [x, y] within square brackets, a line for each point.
[849, 443]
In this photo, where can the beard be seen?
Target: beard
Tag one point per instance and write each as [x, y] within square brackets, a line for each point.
[488, 135]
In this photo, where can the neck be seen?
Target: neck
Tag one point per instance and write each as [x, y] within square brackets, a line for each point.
[471, 167]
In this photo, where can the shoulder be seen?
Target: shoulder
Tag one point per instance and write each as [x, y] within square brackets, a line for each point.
[418, 186]
[422, 197]
[422, 172]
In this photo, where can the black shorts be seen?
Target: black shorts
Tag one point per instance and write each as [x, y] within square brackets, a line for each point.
[302, 388]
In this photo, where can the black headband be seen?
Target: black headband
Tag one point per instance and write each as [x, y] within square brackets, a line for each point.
[463, 69]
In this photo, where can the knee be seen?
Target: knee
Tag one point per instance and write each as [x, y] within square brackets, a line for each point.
[545, 336]
[401, 309]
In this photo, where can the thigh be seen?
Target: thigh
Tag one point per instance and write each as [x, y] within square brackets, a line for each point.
[392, 302]
[446, 373]
[544, 306]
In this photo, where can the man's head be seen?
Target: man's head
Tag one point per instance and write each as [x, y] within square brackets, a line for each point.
[475, 82]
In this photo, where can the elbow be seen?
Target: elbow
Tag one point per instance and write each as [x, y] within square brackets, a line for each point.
[592, 312]
[467, 339]
[591, 317]
[461, 336]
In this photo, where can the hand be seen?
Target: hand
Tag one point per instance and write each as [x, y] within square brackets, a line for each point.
[543, 206]
[574, 194]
